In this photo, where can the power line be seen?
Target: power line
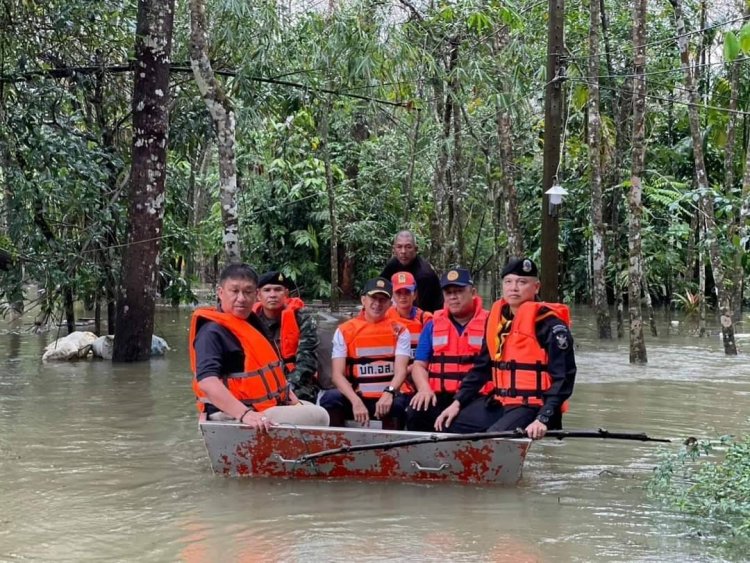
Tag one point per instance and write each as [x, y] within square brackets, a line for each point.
[670, 100]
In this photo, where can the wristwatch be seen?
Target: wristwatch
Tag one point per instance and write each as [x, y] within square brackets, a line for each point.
[543, 419]
[390, 389]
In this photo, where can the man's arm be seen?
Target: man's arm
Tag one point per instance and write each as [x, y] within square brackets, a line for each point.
[557, 340]
[425, 396]
[307, 351]
[338, 378]
[478, 376]
[210, 349]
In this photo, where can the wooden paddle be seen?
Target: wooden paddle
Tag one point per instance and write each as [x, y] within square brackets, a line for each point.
[517, 433]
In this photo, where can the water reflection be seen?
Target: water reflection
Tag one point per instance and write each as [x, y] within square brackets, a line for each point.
[103, 461]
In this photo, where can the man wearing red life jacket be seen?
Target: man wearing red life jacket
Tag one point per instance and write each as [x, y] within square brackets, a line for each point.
[527, 355]
[370, 355]
[292, 331]
[447, 348]
[236, 372]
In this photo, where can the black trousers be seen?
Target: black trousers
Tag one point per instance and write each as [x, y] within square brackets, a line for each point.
[424, 421]
[488, 415]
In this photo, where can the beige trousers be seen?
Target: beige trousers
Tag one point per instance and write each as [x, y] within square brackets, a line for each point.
[303, 414]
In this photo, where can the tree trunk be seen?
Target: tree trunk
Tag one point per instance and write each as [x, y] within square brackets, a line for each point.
[508, 183]
[332, 216]
[599, 262]
[701, 280]
[137, 296]
[222, 114]
[409, 183]
[635, 274]
[707, 199]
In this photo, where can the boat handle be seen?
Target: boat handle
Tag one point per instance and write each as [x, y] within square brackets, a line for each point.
[282, 459]
[441, 467]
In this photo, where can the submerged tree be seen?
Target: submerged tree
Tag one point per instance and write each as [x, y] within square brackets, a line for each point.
[635, 272]
[140, 263]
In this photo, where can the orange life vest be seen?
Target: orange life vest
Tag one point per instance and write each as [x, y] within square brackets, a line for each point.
[414, 326]
[520, 365]
[370, 353]
[263, 384]
[288, 331]
[453, 355]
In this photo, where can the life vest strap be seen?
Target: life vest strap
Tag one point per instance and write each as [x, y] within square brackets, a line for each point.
[513, 366]
[255, 373]
[369, 360]
[445, 359]
[453, 375]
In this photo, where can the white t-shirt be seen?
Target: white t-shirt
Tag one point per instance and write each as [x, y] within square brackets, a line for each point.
[403, 345]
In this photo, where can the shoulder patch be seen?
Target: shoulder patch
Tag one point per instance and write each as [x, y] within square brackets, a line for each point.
[562, 336]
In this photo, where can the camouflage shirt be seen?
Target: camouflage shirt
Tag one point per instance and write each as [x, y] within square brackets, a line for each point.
[304, 377]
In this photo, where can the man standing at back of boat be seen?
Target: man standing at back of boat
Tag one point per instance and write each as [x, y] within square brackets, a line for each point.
[527, 356]
[236, 372]
[447, 348]
[292, 331]
[406, 258]
[370, 356]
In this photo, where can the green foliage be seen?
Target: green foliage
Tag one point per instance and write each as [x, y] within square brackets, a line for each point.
[710, 480]
[731, 46]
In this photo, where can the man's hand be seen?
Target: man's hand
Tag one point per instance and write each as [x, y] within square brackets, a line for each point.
[360, 412]
[257, 420]
[536, 430]
[383, 406]
[423, 400]
[446, 417]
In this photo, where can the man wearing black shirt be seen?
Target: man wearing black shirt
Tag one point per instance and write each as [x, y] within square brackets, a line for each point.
[406, 259]
[533, 375]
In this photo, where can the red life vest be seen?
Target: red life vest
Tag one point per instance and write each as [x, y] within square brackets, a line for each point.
[370, 353]
[263, 384]
[520, 366]
[453, 355]
[288, 331]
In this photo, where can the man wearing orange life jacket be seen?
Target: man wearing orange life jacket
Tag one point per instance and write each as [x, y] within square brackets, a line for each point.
[292, 331]
[404, 311]
[527, 355]
[370, 355]
[447, 349]
[236, 372]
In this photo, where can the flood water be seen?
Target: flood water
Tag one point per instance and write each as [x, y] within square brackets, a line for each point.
[105, 462]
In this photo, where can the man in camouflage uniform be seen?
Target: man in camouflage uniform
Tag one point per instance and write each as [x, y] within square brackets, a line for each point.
[297, 346]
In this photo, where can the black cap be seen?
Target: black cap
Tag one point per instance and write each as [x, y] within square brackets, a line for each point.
[457, 276]
[274, 278]
[520, 267]
[378, 285]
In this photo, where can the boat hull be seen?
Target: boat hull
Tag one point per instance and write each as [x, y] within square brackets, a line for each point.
[238, 451]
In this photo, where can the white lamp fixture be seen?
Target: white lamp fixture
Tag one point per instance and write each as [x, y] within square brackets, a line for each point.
[556, 194]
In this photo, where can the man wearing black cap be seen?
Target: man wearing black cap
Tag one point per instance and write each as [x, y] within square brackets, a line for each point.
[370, 356]
[291, 330]
[527, 356]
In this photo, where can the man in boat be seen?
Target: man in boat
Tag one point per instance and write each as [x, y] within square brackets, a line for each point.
[370, 356]
[404, 310]
[527, 356]
[237, 374]
[406, 259]
[447, 348]
[292, 331]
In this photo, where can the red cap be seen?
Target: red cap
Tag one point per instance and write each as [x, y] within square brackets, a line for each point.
[403, 280]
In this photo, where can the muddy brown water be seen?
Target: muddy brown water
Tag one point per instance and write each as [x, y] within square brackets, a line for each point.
[105, 462]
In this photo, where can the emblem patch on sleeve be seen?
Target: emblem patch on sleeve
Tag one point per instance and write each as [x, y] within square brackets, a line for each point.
[560, 332]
